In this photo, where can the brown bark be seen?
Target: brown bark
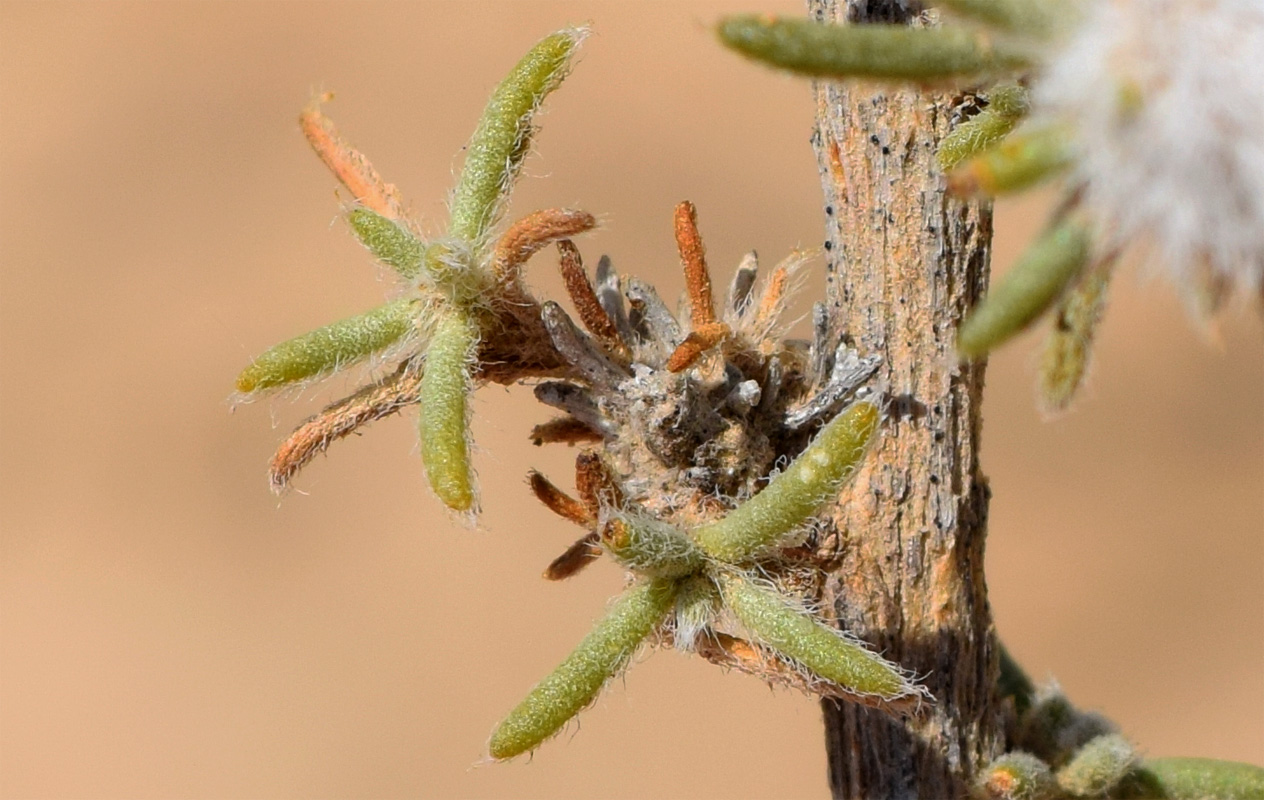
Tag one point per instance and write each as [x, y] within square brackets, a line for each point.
[905, 261]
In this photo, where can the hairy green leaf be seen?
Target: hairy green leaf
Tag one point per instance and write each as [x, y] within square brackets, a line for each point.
[1035, 282]
[332, 347]
[797, 493]
[577, 680]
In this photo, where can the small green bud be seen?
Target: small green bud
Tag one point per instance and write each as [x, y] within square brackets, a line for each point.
[1016, 776]
[1019, 162]
[329, 348]
[388, 241]
[650, 547]
[503, 136]
[826, 652]
[865, 51]
[577, 680]
[1007, 105]
[1098, 767]
[445, 388]
[811, 480]
[1069, 346]
[1193, 779]
[1035, 282]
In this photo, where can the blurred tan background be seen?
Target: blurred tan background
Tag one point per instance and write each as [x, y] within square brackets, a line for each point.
[169, 629]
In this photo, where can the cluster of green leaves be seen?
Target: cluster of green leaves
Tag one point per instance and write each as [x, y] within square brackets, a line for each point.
[685, 580]
[451, 282]
[994, 45]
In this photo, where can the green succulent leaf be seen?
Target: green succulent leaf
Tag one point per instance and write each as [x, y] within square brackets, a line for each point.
[388, 241]
[1031, 287]
[443, 417]
[1007, 106]
[1194, 779]
[792, 497]
[330, 348]
[795, 633]
[577, 681]
[892, 52]
[503, 136]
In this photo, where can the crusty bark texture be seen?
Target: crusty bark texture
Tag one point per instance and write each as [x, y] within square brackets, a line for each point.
[904, 262]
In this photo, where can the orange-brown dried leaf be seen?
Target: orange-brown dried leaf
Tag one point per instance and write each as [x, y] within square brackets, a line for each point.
[564, 430]
[529, 235]
[559, 502]
[595, 483]
[699, 341]
[349, 165]
[583, 552]
[594, 317]
[377, 400]
[693, 258]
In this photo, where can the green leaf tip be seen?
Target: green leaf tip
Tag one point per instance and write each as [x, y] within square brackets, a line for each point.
[388, 241]
[329, 348]
[503, 136]
[650, 547]
[1007, 105]
[891, 52]
[1016, 776]
[1193, 779]
[1035, 282]
[810, 481]
[579, 679]
[1098, 766]
[443, 417]
[824, 651]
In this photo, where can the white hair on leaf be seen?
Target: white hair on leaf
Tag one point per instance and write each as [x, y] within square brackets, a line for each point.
[1167, 97]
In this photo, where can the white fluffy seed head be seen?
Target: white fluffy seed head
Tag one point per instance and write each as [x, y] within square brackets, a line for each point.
[1167, 97]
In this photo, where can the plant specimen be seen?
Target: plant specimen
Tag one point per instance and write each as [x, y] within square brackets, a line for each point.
[694, 413]
[714, 450]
